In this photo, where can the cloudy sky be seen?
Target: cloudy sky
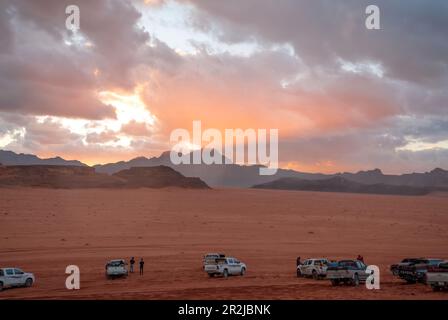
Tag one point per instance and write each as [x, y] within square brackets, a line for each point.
[344, 98]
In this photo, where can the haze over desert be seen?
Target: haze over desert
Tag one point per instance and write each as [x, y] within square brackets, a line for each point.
[238, 159]
[44, 230]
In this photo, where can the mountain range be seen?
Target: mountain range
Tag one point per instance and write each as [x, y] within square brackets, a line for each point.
[233, 175]
[9, 158]
[340, 184]
[215, 175]
[242, 176]
[71, 177]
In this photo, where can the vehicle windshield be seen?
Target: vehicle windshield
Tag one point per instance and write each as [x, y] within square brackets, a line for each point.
[115, 264]
[421, 261]
[346, 264]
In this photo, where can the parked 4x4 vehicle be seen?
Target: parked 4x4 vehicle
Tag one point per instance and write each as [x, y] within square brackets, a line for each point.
[316, 268]
[416, 270]
[437, 276]
[225, 267]
[347, 271]
[211, 257]
[15, 277]
[116, 268]
[405, 262]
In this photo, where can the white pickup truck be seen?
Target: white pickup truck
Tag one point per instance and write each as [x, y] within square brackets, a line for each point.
[210, 258]
[14, 277]
[347, 271]
[225, 267]
[316, 268]
[437, 277]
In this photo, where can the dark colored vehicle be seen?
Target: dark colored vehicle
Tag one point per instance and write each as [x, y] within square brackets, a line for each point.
[416, 270]
[405, 262]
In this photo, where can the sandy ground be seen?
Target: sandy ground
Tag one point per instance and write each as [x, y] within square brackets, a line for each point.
[43, 231]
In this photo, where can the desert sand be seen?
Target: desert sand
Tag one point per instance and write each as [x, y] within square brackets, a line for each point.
[44, 230]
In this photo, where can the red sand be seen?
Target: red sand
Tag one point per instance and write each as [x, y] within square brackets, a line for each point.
[43, 231]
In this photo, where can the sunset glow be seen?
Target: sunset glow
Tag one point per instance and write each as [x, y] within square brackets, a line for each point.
[341, 96]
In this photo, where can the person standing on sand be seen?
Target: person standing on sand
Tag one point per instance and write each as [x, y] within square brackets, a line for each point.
[142, 263]
[298, 262]
[360, 258]
[131, 262]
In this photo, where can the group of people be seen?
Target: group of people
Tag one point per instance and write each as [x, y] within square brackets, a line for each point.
[132, 262]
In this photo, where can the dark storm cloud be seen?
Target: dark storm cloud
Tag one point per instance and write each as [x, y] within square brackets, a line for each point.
[344, 95]
[412, 43]
[408, 100]
[42, 74]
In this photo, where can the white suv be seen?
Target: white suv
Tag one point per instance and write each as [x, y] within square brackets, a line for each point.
[225, 267]
[116, 268]
[14, 277]
[316, 268]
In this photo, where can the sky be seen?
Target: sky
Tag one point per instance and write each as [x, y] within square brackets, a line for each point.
[343, 97]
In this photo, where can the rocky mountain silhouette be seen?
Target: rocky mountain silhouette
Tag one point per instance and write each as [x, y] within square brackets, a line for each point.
[72, 177]
[340, 184]
[240, 176]
[9, 158]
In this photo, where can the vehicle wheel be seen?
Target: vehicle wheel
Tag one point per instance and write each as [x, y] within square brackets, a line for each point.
[225, 273]
[334, 282]
[1, 286]
[356, 280]
[299, 273]
[435, 288]
[243, 271]
[211, 275]
[28, 282]
[314, 274]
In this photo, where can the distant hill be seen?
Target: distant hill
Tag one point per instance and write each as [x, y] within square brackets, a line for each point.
[72, 177]
[435, 178]
[46, 176]
[9, 158]
[340, 184]
[158, 177]
[240, 176]
[215, 175]
[232, 175]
